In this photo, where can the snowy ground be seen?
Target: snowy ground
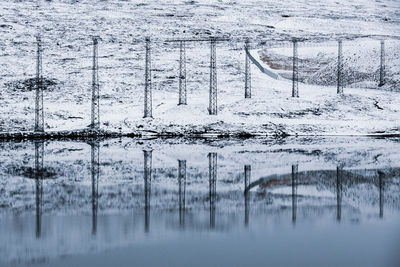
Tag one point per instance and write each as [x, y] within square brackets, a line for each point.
[66, 27]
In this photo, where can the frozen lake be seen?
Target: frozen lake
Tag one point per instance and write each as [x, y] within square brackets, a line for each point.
[181, 202]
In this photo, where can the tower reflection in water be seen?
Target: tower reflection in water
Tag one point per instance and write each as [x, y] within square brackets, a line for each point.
[341, 177]
[95, 173]
[42, 217]
[182, 191]
[147, 187]
[39, 160]
[212, 176]
[295, 174]
[247, 176]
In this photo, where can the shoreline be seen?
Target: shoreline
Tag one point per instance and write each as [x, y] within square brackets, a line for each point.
[104, 134]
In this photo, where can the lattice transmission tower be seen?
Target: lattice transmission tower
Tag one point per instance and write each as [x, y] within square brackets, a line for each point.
[182, 73]
[247, 76]
[295, 75]
[148, 112]
[39, 116]
[382, 67]
[340, 69]
[212, 109]
[95, 109]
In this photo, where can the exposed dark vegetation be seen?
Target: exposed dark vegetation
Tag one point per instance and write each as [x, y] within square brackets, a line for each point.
[30, 84]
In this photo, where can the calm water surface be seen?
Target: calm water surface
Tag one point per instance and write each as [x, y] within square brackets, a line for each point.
[128, 202]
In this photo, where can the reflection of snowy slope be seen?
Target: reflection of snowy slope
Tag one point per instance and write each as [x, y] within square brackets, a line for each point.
[67, 222]
[121, 169]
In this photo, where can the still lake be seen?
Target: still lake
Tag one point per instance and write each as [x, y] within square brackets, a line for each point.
[185, 202]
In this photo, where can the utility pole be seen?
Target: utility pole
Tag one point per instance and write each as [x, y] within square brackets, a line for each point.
[382, 67]
[212, 109]
[247, 76]
[340, 69]
[147, 85]
[295, 76]
[39, 116]
[182, 73]
[95, 112]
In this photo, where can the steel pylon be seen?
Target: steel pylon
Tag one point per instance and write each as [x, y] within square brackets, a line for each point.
[182, 73]
[247, 76]
[212, 109]
[382, 66]
[295, 75]
[340, 69]
[39, 116]
[148, 112]
[95, 105]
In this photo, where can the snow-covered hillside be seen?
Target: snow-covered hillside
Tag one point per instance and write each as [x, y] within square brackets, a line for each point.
[318, 63]
[66, 27]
